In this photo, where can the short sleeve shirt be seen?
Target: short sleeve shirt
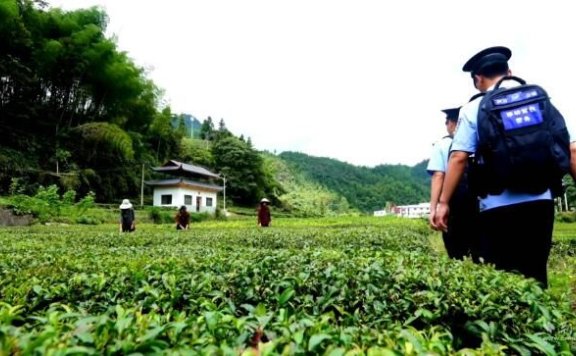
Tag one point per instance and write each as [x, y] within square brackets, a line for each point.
[439, 157]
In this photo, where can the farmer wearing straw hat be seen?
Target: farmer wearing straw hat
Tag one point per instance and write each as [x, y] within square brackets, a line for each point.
[264, 217]
[127, 217]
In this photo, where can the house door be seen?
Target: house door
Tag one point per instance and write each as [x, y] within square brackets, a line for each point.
[198, 203]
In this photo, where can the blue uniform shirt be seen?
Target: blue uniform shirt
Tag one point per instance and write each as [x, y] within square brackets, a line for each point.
[439, 158]
[466, 139]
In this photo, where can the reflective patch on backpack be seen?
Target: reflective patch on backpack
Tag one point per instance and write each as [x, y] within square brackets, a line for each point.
[515, 97]
[524, 116]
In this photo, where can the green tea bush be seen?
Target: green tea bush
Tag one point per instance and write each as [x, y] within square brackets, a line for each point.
[198, 217]
[361, 287]
[87, 220]
[155, 215]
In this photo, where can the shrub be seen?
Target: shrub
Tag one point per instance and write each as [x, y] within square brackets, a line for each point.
[69, 197]
[155, 215]
[87, 220]
[220, 215]
[198, 217]
[161, 216]
[86, 203]
[566, 216]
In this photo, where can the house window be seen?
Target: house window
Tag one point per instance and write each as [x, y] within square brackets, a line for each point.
[208, 201]
[166, 199]
[187, 200]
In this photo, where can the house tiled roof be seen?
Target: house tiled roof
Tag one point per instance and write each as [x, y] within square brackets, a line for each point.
[173, 166]
[176, 181]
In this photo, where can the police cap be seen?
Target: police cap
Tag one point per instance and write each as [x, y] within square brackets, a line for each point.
[486, 57]
[452, 114]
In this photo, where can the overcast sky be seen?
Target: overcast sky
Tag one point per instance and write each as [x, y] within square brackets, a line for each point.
[361, 81]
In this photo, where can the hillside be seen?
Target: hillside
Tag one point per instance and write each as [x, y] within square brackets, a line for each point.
[302, 196]
[366, 189]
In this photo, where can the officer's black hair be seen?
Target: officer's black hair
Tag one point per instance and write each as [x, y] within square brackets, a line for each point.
[493, 70]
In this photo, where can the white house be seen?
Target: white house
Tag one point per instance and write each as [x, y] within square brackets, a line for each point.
[413, 211]
[190, 185]
[380, 213]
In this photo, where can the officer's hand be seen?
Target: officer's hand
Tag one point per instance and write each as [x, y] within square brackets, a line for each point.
[431, 219]
[441, 217]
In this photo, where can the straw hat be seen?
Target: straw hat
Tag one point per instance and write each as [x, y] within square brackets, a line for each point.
[126, 204]
[264, 200]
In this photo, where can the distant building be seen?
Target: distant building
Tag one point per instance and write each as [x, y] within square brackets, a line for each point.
[381, 213]
[412, 211]
[193, 186]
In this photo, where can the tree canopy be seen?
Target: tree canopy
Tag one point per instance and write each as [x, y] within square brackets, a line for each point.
[77, 112]
[71, 102]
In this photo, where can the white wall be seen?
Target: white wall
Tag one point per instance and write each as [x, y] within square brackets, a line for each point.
[178, 194]
[413, 211]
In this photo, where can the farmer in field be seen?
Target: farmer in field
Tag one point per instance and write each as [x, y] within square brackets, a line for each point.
[460, 239]
[127, 217]
[516, 207]
[264, 217]
[182, 219]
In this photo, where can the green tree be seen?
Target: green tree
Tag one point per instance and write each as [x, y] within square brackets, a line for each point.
[196, 151]
[62, 82]
[207, 129]
[243, 169]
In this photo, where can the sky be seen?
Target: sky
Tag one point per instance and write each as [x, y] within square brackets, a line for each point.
[360, 81]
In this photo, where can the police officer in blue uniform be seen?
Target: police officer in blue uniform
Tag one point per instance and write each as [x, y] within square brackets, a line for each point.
[515, 227]
[459, 238]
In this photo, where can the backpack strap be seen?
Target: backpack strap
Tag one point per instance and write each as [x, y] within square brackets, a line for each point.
[510, 77]
[476, 96]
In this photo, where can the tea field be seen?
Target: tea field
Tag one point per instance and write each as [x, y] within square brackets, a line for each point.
[338, 286]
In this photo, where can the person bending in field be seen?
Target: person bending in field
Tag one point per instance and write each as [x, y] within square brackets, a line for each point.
[182, 219]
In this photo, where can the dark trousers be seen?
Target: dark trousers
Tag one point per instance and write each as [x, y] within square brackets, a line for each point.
[127, 227]
[462, 237]
[518, 238]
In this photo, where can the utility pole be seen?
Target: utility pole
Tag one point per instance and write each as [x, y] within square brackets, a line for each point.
[224, 193]
[142, 187]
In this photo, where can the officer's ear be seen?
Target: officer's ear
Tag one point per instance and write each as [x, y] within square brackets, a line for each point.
[476, 80]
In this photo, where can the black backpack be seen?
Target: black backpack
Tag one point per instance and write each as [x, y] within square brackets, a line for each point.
[523, 142]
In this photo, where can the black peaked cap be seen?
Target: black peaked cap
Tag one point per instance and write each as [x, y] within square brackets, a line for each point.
[452, 114]
[486, 57]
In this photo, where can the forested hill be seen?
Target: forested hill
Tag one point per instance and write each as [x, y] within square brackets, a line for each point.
[79, 114]
[365, 188]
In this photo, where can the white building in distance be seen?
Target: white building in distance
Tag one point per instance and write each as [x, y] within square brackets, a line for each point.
[412, 211]
[406, 211]
[190, 185]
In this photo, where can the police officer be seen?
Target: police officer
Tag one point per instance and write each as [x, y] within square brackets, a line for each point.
[515, 228]
[459, 238]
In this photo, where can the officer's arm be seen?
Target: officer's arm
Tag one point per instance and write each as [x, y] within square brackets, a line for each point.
[435, 188]
[573, 160]
[456, 167]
